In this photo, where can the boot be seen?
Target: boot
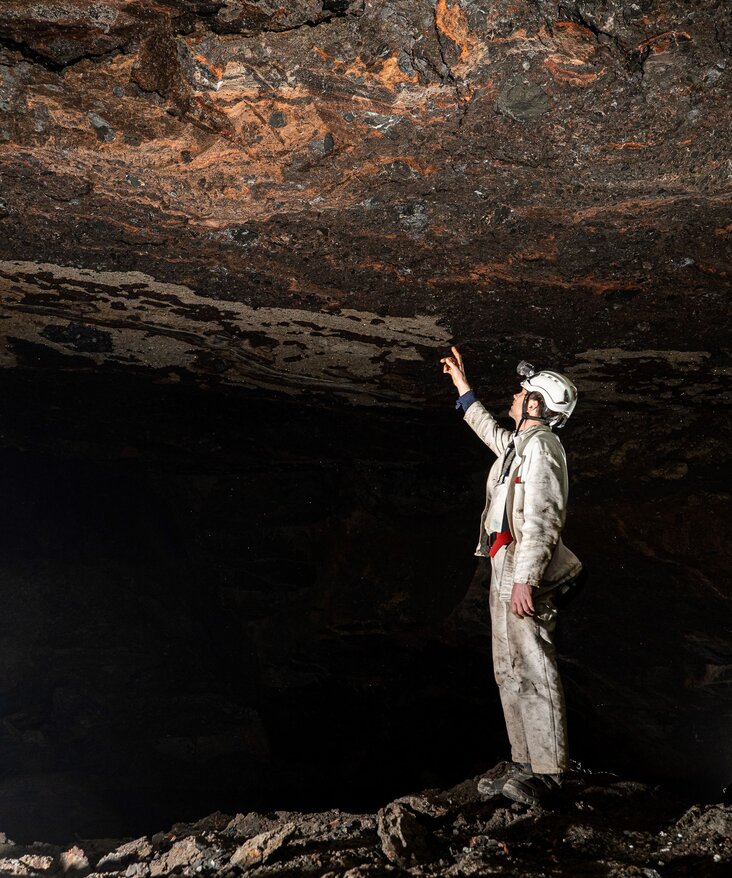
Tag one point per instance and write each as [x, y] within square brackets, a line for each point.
[533, 789]
[492, 782]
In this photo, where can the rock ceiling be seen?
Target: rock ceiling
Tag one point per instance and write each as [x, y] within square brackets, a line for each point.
[322, 195]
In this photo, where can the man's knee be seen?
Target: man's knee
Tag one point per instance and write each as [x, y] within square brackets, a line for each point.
[534, 690]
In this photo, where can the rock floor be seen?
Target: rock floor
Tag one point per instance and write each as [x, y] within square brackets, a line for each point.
[603, 826]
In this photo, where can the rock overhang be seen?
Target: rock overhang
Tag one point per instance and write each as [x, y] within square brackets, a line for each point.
[323, 197]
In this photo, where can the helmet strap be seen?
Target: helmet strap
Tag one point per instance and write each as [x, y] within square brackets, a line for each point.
[525, 416]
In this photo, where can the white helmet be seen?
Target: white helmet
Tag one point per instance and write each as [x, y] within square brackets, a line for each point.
[557, 391]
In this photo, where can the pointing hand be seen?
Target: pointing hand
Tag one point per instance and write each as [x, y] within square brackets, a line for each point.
[453, 366]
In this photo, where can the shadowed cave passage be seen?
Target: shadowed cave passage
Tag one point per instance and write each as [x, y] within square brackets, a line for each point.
[221, 601]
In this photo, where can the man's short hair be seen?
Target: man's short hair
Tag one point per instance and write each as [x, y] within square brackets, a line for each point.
[544, 412]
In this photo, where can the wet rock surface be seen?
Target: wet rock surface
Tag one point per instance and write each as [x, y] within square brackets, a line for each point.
[603, 826]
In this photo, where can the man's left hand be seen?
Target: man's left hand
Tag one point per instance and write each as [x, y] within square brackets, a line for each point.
[522, 604]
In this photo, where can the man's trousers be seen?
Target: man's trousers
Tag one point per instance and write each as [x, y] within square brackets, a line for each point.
[525, 667]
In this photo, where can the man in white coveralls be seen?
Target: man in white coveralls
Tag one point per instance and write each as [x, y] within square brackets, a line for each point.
[520, 530]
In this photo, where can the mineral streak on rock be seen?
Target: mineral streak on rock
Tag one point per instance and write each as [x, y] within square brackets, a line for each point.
[130, 318]
[440, 157]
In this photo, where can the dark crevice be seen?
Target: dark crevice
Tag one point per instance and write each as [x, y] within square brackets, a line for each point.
[721, 38]
[438, 36]
[576, 14]
[635, 58]
[642, 57]
[184, 26]
[339, 11]
[35, 57]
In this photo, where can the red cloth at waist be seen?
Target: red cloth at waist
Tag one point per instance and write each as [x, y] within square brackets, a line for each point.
[496, 541]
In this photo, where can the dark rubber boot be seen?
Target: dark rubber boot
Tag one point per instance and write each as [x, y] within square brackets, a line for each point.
[533, 789]
[492, 782]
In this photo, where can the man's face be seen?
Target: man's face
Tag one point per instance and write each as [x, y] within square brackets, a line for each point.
[517, 405]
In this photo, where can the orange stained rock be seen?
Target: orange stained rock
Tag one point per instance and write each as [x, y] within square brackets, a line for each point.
[510, 272]
[628, 206]
[546, 250]
[389, 74]
[516, 36]
[574, 46]
[450, 20]
[217, 72]
[565, 70]
[445, 101]
[488, 270]
[384, 267]
[396, 270]
[663, 42]
[707, 269]
[574, 29]
[570, 39]
[599, 286]
[724, 231]
[629, 144]
[422, 169]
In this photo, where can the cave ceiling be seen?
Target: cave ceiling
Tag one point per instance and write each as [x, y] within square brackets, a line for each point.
[319, 197]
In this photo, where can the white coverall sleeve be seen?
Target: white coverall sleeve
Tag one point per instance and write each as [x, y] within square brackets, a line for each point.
[545, 506]
[487, 428]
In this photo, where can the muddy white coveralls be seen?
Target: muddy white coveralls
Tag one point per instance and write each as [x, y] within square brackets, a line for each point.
[524, 659]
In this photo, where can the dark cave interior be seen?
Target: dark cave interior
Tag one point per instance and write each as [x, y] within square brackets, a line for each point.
[219, 600]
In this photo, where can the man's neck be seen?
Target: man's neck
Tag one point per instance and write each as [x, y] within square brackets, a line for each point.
[528, 424]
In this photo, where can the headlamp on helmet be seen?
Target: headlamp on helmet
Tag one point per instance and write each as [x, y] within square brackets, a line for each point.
[556, 390]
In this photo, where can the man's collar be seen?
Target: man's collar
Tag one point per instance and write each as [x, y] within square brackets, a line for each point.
[519, 439]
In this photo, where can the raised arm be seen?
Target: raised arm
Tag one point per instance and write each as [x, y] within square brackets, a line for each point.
[488, 430]
[477, 415]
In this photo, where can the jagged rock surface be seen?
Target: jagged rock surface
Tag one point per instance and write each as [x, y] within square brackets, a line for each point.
[319, 196]
[604, 826]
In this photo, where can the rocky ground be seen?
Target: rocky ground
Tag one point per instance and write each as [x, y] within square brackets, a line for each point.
[603, 826]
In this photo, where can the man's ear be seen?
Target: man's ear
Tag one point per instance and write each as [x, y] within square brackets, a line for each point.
[533, 407]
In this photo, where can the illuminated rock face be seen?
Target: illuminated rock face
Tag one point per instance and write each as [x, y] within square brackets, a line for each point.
[235, 239]
[525, 178]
